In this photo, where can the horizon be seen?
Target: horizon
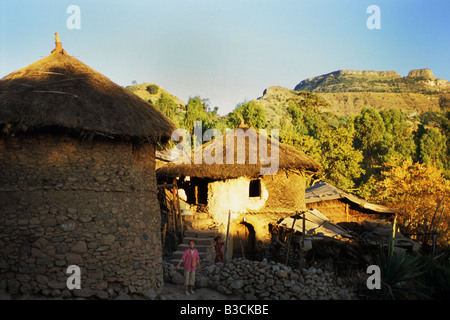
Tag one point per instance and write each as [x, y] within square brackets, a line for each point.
[230, 52]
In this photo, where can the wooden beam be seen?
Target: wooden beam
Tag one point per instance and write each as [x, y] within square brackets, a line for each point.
[433, 252]
[290, 237]
[242, 247]
[179, 213]
[174, 209]
[226, 240]
[165, 186]
[164, 235]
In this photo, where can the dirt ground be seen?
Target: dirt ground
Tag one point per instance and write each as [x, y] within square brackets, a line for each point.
[169, 292]
[177, 292]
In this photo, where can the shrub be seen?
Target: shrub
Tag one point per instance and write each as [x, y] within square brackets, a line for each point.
[399, 272]
[435, 282]
[152, 89]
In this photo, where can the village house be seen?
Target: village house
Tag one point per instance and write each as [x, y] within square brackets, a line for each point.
[342, 206]
[77, 183]
[239, 199]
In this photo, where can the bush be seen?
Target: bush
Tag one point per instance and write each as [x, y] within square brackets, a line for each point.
[399, 273]
[152, 89]
[435, 282]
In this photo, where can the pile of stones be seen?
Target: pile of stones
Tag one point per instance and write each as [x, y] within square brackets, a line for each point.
[255, 280]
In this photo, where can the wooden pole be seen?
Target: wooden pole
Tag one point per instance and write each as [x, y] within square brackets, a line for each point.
[433, 253]
[164, 235]
[434, 215]
[290, 237]
[242, 247]
[303, 230]
[425, 241]
[165, 186]
[302, 248]
[179, 213]
[174, 207]
[226, 240]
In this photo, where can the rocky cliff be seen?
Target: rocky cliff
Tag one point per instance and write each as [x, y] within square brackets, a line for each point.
[422, 74]
[417, 81]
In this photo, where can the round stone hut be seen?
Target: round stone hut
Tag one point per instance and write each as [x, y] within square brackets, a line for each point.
[77, 183]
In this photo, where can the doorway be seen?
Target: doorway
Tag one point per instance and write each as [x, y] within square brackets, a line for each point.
[244, 241]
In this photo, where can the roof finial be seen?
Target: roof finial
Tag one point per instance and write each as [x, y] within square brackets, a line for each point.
[242, 125]
[58, 45]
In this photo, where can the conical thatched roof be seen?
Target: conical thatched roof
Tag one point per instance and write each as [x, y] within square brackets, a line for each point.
[250, 165]
[60, 92]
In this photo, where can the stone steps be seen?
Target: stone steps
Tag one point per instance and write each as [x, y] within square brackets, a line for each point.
[198, 241]
[203, 240]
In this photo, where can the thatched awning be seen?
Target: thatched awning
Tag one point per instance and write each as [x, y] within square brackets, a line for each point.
[62, 93]
[243, 159]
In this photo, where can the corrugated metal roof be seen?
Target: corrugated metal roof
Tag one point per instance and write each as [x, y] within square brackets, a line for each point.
[323, 191]
[316, 223]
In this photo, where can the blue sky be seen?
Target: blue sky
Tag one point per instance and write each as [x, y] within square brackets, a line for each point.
[228, 51]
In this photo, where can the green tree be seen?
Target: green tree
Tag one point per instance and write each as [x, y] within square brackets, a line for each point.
[304, 110]
[445, 127]
[341, 162]
[433, 148]
[307, 144]
[252, 113]
[398, 140]
[168, 107]
[198, 109]
[369, 134]
[195, 111]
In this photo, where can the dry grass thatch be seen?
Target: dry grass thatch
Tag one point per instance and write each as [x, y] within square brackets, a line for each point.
[61, 92]
[250, 163]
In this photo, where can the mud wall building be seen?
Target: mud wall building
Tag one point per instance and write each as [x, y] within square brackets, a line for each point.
[228, 188]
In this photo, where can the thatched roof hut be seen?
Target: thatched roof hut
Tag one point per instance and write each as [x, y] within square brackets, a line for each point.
[60, 92]
[241, 159]
[246, 176]
[77, 183]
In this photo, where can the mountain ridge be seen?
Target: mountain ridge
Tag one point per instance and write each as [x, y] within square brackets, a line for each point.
[417, 81]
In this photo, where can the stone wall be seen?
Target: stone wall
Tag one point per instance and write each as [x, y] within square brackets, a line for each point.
[263, 280]
[93, 204]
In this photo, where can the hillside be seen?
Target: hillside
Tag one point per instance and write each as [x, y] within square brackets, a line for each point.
[348, 91]
[141, 91]
[411, 104]
[167, 103]
[274, 101]
[417, 81]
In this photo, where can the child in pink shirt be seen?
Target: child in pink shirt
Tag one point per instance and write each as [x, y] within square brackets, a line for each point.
[191, 259]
